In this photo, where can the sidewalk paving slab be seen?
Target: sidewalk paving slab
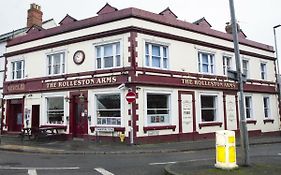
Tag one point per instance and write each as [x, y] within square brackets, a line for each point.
[91, 147]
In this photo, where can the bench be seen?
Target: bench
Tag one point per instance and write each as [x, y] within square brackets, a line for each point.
[42, 131]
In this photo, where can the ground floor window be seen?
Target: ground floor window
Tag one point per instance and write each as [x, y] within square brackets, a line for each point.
[266, 107]
[248, 104]
[108, 109]
[208, 108]
[158, 109]
[55, 110]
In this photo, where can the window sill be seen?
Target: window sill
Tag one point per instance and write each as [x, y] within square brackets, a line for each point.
[149, 128]
[210, 124]
[116, 128]
[268, 121]
[252, 122]
[64, 127]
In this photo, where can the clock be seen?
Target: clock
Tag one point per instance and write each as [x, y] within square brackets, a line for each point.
[79, 57]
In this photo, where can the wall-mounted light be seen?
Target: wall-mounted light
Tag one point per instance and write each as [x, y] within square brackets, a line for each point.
[67, 99]
[81, 98]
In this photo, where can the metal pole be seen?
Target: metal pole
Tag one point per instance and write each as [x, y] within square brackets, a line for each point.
[243, 122]
[277, 63]
[132, 126]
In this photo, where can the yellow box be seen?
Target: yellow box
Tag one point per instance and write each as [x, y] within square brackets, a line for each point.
[221, 154]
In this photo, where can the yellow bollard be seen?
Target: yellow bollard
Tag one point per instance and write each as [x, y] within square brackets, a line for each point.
[122, 137]
[225, 150]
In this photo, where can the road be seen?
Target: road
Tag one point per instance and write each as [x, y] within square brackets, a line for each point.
[115, 164]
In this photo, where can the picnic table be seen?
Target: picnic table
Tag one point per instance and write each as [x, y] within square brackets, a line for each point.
[42, 131]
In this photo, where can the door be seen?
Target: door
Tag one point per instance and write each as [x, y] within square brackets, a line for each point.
[35, 117]
[15, 116]
[186, 111]
[79, 116]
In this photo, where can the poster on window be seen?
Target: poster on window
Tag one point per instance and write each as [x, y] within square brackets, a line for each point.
[187, 113]
[19, 118]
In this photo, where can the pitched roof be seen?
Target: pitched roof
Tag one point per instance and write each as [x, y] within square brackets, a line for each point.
[67, 19]
[168, 13]
[9, 35]
[135, 13]
[202, 22]
[107, 9]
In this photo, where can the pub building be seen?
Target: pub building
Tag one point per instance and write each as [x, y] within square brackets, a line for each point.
[76, 76]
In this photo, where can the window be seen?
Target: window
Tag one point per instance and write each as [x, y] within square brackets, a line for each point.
[266, 107]
[156, 56]
[248, 103]
[17, 70]
[208, 108]
[206, 63]
[55, 110]
[263, 71]
[108, 56]
[226, 64]
[245, 67]
[158, 109]
[108, 109]
[56, 63]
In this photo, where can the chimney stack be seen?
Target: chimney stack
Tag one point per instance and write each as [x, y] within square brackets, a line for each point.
[34, 15]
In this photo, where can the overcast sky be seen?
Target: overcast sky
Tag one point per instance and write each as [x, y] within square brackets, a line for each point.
[256, 17]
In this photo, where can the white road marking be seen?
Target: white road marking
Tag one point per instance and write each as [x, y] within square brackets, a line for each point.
[38, 168]
[32, 172]
[192, 160]
[279, 154]
[103, 171]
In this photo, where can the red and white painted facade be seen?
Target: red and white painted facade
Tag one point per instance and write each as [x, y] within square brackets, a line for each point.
[175, 68]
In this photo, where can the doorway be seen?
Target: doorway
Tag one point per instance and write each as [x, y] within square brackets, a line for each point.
[79, 114]
[35, 117]
[15, 115]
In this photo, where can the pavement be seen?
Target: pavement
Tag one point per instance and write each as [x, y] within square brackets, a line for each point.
[91, 147]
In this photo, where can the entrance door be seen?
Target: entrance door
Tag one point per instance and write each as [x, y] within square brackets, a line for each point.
[15, 116]
[79, 116]
[35, 116]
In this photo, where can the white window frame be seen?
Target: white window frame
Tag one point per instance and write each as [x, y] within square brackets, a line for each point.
[43, 119]
[226, 67]
[13, 72]
[263, 72]
[250, 107]
[162, 46]
[95, 116]
[268, 107]
[62, 57]
[101, 45]
[248, 68]
[169, 94]
[211, 67]
[216, 118]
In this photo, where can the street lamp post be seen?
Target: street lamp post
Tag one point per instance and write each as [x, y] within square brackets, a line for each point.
[277, 63]
[243, 123]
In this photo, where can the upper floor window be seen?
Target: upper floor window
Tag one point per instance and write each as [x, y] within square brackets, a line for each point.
[56, 63]
[108, 56]
[158, 109]
[156, 56]
[17, 70]
[249, 107]
[266, 107]
[206, 63]
[263, 71]
[208, 108]
[245, 68]
[226, 64]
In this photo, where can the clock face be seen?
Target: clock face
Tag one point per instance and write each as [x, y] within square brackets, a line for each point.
[78, 57]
